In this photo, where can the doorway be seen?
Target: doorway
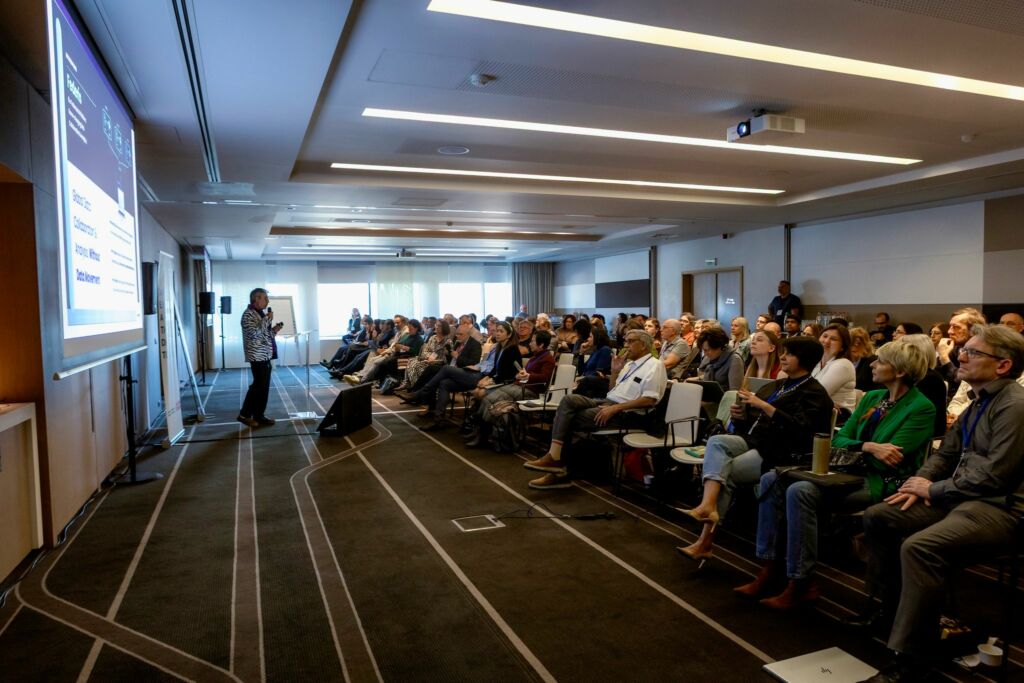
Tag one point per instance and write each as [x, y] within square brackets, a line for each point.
[716, 294]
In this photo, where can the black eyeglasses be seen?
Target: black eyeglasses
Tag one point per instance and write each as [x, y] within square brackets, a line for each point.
[975, 353]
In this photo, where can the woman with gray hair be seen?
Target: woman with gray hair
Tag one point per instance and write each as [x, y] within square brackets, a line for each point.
[890, 429]
[932, 385]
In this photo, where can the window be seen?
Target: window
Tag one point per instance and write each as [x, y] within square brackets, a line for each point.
[460, 297]
[334, 304]
[498, 299]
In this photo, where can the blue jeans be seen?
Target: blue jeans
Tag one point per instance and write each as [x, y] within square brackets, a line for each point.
[798, 504]
[729, 461]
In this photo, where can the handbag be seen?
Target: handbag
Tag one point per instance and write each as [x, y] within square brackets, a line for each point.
[844, 460]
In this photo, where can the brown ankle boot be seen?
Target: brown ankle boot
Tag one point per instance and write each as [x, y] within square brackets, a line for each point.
[798, 592]
[768, 575]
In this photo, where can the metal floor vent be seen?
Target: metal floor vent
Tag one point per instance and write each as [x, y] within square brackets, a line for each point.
[478, 523]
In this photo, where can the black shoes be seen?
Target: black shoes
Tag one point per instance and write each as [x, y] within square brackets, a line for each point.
[433, 426]
[874, 620]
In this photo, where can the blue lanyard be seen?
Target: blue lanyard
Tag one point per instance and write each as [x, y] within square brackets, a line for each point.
[633, 371]
[782, 391]
[966, 436]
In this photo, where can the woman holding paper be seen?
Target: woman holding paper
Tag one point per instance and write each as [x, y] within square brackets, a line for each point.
[890, 428]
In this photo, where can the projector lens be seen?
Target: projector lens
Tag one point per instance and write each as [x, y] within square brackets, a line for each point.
[743, 129]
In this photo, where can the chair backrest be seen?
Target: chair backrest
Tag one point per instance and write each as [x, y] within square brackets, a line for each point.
[561, 382]
[683, 402]
[565, 358]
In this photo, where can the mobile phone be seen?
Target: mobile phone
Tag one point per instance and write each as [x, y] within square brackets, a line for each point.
[519, 366]
[739, 398]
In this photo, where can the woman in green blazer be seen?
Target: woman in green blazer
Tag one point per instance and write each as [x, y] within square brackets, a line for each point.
[891, 429]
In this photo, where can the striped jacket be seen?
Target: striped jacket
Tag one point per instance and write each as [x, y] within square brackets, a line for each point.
[257, 339]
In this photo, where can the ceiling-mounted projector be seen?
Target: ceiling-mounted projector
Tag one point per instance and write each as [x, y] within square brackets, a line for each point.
[766, 127]
[405, 253]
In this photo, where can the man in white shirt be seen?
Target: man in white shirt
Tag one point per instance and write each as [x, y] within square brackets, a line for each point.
[638, 382]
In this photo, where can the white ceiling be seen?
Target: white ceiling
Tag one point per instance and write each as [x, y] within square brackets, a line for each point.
[285, 84]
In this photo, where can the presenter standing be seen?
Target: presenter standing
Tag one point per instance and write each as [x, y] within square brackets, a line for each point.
[258, 333]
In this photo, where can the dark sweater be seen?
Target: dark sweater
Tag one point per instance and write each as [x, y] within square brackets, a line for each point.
[789, 433]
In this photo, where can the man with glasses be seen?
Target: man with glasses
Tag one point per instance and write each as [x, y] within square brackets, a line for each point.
[637, 383]
[960, 326]
[954, 510]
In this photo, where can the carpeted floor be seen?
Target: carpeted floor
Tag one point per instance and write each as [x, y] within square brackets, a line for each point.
[278, 555]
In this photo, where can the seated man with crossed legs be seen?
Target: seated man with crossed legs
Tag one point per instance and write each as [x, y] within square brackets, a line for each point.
[638, 382]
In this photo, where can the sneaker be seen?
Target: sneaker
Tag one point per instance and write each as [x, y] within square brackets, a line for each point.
[326, 363]
[352, 379]
[546, 464]
[551, 481]
[247, 421]
[265, 422]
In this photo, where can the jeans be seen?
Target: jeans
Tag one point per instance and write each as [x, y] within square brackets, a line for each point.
[255, 403]
[355, 363]
[729, 461]
[799, 503]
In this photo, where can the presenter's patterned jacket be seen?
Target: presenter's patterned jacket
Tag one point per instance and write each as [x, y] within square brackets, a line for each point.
[257, 337]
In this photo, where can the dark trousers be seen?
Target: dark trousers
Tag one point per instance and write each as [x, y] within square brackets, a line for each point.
[355, 363]
[447, 381]
[255, 403]
[914, 571]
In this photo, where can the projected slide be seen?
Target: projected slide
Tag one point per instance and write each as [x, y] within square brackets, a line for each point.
[94, 141]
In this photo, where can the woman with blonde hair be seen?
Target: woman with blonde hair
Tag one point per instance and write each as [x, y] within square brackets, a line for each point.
[739, 341]
[862, 355]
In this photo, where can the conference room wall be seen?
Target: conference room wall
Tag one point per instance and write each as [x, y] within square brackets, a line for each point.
[761, 254]
[81, 426]
[593, 284]
[1004, 253]
[917, 265]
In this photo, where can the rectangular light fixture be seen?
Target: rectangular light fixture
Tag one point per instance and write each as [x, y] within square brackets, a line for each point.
[699, 42]
[628, 135]
[549, 178]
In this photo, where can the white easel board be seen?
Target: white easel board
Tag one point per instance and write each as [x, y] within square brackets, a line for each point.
[284, 312]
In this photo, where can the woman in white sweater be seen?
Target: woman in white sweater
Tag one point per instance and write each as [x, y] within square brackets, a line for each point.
[835, 372]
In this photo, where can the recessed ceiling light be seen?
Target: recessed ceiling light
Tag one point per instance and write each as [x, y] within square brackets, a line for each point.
[552, 178]
[453, 150]
[699, 42]
[628, 135]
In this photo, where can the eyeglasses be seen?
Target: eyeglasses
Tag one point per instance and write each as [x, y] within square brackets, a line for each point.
[975, 353]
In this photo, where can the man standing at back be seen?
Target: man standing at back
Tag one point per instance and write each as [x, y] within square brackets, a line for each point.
[258, 333]
[786, 303]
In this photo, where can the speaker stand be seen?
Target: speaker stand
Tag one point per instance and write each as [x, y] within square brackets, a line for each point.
[222, 364]
[134, 476]
[202, 345]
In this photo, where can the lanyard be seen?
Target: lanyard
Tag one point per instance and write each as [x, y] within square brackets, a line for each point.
[633, 371]
[782, 391]
[967, 435]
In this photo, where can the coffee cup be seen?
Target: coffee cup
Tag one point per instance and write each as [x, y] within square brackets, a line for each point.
[990, 655]
[820, 453]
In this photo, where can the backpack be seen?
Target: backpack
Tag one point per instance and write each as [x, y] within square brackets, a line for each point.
[506, 426]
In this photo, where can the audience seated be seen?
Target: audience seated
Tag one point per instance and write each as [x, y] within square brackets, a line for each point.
[354, 325]
[739, 339]
[436, 351]
[812, 330]
[543, 323]
[356, 355]
[764, 356]
[597, 320]
[385, 362]
[883, 330]
[363, 335]
[652, 326]
[835, 372]
[905, 328]
[767, 429]
[862, 355]
[761, 321]
[689, 332]
[674, 349]
[792, 326]
[890, 429]
[960, 326]
[638, 382]
[1012, 320]
[529, 383]
[931, 385]
[938, 332]
[719, 363]
[593, 380]
[773, 327]
[954, 510]
[566, 333]
[499, 367]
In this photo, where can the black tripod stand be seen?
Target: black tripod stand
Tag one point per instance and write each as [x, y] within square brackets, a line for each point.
[129, 388]
[202, 344]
